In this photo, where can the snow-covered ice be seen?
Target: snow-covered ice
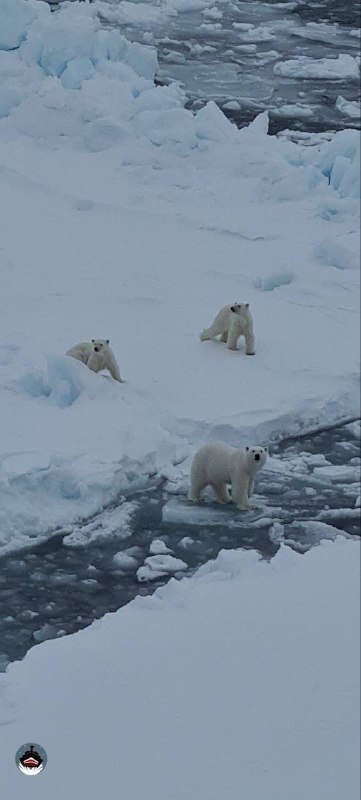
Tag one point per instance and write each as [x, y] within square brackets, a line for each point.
[124, 215]
[86, 271]
[183, 512]
[242, 681]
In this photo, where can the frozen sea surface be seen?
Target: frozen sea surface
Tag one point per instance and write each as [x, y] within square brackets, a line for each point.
[63, 585]
[232, 52]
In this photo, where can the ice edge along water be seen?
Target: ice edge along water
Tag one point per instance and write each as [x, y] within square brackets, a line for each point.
[136, 216]
[124, 211]
[241, 679]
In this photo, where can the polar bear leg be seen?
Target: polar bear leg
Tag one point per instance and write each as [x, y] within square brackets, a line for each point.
[194, 494]
[221, 492]
[114, 371]
[250, 344]
[250, 487]
[224, 336]
[211, 332]
[92, 364]
[195, 489]
[232, 340]
[240, 492]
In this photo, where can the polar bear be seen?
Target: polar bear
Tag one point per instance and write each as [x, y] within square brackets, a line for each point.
[97, 355]
[230, 323]
[217, 464]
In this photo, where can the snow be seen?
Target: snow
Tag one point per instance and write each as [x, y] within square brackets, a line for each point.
[335, 254]
[242, 681]
[124, 215]
[15, 18]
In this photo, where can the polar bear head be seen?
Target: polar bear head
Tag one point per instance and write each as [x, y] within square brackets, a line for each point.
[256, 457]
[99, 345]
[241, 309]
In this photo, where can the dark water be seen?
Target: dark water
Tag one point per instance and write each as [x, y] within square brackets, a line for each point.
[215, 60]
[347, 12]
[213, 56]
[55, 589]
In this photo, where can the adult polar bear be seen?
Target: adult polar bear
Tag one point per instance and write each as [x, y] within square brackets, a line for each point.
[230, 323]
[217, 464]
[97, 355]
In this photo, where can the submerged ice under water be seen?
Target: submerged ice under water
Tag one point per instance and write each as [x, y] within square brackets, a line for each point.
[60, 587]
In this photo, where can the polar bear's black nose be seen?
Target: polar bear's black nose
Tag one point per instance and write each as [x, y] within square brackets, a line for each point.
[257, 457]
[96, 349]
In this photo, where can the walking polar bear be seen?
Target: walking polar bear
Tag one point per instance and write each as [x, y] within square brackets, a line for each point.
[230, 323]
[97, 355]
[217, 464]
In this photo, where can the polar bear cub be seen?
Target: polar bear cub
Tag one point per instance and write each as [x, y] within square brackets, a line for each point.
[97, 355]
[217, 464]
[230, 323]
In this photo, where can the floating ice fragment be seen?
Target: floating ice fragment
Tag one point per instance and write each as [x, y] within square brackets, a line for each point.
[182, 512]
[338, 514]
[123, 561]
[350, 108]
[165, 563]
[338, 473]
[293, 110]
[157, 566]
[231, 105]
[45, 633]
[186, 542]
[344, 66]
[158, 547]
[145, 573]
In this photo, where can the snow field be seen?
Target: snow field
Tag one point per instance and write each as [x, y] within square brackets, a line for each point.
[140, 237]
[235, 681]
[125, 216]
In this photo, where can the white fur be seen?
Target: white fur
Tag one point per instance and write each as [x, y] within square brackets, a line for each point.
[230, 323]
[97, 355]
[218, 464]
